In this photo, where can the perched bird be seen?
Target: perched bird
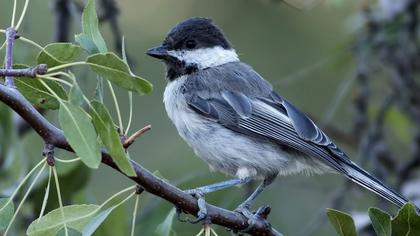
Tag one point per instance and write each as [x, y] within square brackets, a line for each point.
[237, 123]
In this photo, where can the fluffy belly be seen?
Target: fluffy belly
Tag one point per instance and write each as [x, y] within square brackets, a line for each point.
[237, 154]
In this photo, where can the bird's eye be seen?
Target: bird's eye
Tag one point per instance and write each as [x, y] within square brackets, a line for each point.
[190, 44]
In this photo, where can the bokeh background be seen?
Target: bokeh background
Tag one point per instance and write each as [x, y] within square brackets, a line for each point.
[305, 54]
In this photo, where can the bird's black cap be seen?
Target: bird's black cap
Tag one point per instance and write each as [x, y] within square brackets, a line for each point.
[193, 33]
[196, 32]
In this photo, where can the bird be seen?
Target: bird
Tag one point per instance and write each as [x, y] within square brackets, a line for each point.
[234, 120]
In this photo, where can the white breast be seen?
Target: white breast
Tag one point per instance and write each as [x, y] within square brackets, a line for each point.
[185, 120]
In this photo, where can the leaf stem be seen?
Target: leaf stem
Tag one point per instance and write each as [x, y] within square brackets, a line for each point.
[62, 73]
[24, 198]
[13, 13]
[25, 7]
[133, 222]
[125, 199]
[119, 193]
[67, 161]
[51, 91]
[48, 77]
[57, 97]
[130, 116]
[47, 192]
[31, 42]
[60, 201]
[59, 67]
[117, 107]
[2, 46]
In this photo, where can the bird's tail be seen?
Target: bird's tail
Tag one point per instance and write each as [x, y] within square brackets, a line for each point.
[363, 178]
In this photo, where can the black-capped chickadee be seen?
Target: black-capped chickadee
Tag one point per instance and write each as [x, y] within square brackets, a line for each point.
[235, 122]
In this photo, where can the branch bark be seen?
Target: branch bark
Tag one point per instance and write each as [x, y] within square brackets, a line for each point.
[151, 183]
[8, 60]
[40, 69]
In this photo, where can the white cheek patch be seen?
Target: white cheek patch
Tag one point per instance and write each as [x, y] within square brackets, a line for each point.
[206, 57]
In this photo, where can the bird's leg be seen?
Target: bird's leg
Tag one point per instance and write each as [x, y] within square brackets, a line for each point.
[200, 192]
[217, 186]
[244, 207]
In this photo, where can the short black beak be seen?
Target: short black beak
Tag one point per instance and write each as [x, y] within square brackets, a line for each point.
[159, 52]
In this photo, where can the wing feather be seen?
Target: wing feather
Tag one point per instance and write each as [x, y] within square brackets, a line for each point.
[258, 117]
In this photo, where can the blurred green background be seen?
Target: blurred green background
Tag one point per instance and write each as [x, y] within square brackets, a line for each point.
[304, 54]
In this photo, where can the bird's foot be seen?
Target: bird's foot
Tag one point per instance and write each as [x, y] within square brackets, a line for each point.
[202, 209]
[253, 217]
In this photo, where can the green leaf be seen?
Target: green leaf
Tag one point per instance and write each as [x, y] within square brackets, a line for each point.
[6, 212]
[117, 223]
[343, 223]
[381, 221]
[80, 133]
[83, 218]
[55, 54]
[102, 213]
[90, 26]
[110, 138]
[76, 216]
[96, 221]
[165, 228]
[99, 90]
[70, 231]
[112, 68]
[85, 42]
[407, 222]
[33, 90]
[76, 95]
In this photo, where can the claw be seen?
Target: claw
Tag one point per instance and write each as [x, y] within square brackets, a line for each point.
[244, 210]
[253, 217]
[202, 212]
[178, 215]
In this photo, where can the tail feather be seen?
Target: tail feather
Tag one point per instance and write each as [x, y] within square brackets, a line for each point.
[363, 178]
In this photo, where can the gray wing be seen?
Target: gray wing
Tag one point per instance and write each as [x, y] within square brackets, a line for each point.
[258, 111]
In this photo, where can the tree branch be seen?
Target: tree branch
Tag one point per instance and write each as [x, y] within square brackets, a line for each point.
[130, 140]
[40, 69]
[152, 184]
[10, 39]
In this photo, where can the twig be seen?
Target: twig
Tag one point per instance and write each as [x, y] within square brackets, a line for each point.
[10, 39]
[40, 69]
[48, 153]
[127, 143]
